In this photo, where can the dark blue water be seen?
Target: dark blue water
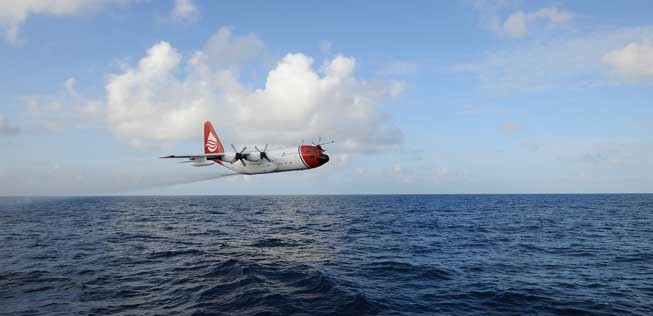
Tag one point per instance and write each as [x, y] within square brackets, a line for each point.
[328, 255]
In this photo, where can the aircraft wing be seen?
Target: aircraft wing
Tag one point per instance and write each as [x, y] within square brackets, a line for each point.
[196, 156]
[198, 160]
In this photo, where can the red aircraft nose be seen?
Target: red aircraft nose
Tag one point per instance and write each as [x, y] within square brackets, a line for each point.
[312, 156]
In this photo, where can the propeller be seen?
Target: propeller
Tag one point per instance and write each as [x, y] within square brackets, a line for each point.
[320, 143]
[263, 153]
[239, 155]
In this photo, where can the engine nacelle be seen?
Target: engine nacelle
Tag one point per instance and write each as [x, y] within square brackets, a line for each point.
[253, 156]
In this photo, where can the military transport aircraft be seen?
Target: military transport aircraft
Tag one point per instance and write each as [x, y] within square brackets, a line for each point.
[258, 161]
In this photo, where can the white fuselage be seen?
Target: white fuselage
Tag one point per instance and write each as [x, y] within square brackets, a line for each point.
[255, 162]
[287, 159]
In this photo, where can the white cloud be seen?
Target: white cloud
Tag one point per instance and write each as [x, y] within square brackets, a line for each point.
[184, 11]
[517, 24]
[146, 101]
[14, 13]
[514, 26]
[6, 128]
[633, 62]
[156, 102]
[562, 61]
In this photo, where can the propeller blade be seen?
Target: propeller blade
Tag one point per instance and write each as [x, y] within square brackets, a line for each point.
[234, 148]
[244, 148]
[263, 153]
[243, 162]
[319, 145]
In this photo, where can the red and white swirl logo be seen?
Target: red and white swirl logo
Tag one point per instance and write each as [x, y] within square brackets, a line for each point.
[211, 142]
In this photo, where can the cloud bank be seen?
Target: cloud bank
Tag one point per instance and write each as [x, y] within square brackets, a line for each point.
[166, 97]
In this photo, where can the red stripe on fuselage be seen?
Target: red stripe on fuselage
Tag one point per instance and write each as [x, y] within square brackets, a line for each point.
[299, 151]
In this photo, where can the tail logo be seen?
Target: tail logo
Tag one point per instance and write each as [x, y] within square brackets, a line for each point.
[211, 142]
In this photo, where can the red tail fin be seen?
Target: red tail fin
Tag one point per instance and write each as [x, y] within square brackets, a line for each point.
[212, 143]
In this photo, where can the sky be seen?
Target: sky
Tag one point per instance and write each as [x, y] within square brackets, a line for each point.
[466, 96]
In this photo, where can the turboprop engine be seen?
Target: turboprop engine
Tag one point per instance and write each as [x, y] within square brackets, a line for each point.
[262, 154]
[242, 155]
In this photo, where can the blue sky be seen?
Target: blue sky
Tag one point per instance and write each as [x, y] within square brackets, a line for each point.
[420, 97]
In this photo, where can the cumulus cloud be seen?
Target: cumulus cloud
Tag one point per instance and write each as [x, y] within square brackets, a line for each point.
[6, 128]
[561, 61]
[517, 24]
[166, 98]
[633, 62]
[14, 13]
[184, 11]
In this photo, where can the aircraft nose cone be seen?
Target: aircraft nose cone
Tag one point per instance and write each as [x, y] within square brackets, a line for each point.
[322, 159]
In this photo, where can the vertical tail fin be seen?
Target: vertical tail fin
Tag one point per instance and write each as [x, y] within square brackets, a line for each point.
[212, 143]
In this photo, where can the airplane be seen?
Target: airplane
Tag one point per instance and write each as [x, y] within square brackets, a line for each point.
[255, 162]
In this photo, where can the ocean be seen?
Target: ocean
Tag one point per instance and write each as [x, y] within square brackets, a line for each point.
[327, 255]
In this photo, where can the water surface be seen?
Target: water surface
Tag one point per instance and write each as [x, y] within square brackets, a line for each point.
[328, 255]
